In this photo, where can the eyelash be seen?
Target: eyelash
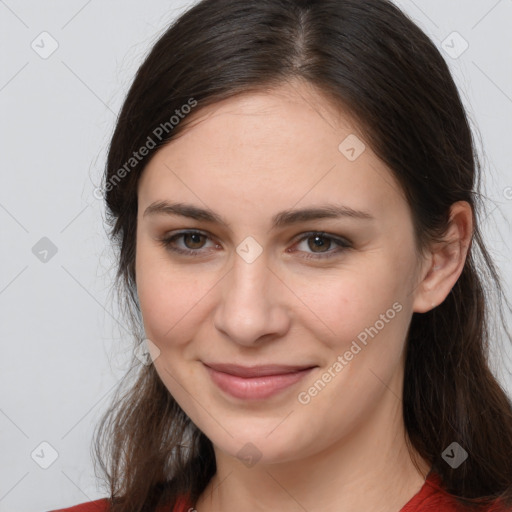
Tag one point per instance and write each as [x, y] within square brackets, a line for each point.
[343, 245]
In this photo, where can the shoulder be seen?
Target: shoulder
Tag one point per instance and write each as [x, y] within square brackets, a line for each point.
[101, 505]
[433, 498]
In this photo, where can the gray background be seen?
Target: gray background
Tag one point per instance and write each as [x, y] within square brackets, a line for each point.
[63, 349]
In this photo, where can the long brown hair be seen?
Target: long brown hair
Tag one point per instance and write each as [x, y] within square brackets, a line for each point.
[371, 59]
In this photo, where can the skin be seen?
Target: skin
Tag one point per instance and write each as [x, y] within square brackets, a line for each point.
[248, 158]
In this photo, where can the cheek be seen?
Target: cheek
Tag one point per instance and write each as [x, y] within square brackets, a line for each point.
[345, 302]
[171, 300]
[368, 320]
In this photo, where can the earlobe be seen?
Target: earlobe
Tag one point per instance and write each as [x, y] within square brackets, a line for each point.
[447, 261]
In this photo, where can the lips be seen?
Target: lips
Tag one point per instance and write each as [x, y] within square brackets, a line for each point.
[256, 371]
[255, 382]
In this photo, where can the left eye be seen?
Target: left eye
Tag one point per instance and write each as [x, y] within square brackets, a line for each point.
[315, 240]
[323, 241]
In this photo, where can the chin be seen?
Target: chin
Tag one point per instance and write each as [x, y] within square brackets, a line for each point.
[256, 446]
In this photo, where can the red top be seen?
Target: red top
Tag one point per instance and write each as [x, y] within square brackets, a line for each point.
[430, 498]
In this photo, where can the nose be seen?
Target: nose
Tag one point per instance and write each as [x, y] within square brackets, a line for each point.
[252, 305]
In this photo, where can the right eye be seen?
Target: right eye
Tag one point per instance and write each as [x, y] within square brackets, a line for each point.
[189, 238]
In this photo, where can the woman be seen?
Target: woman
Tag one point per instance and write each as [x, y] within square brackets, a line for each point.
[293, 189]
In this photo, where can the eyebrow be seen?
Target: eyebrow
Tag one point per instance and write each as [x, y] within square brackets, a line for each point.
[281, 219]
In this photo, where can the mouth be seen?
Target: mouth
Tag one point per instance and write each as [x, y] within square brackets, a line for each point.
[255, 382]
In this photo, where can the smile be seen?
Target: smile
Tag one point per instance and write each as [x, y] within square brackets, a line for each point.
[260, 385]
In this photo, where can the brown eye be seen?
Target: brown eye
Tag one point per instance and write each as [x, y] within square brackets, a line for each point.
[319, 243]
[192, 240]
[192, 244]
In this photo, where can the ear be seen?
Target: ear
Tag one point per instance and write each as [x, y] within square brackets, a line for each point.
[446, 260]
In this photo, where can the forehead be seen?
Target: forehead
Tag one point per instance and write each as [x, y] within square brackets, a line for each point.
[282, 146]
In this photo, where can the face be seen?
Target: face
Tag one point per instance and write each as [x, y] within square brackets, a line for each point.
[331, 295]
